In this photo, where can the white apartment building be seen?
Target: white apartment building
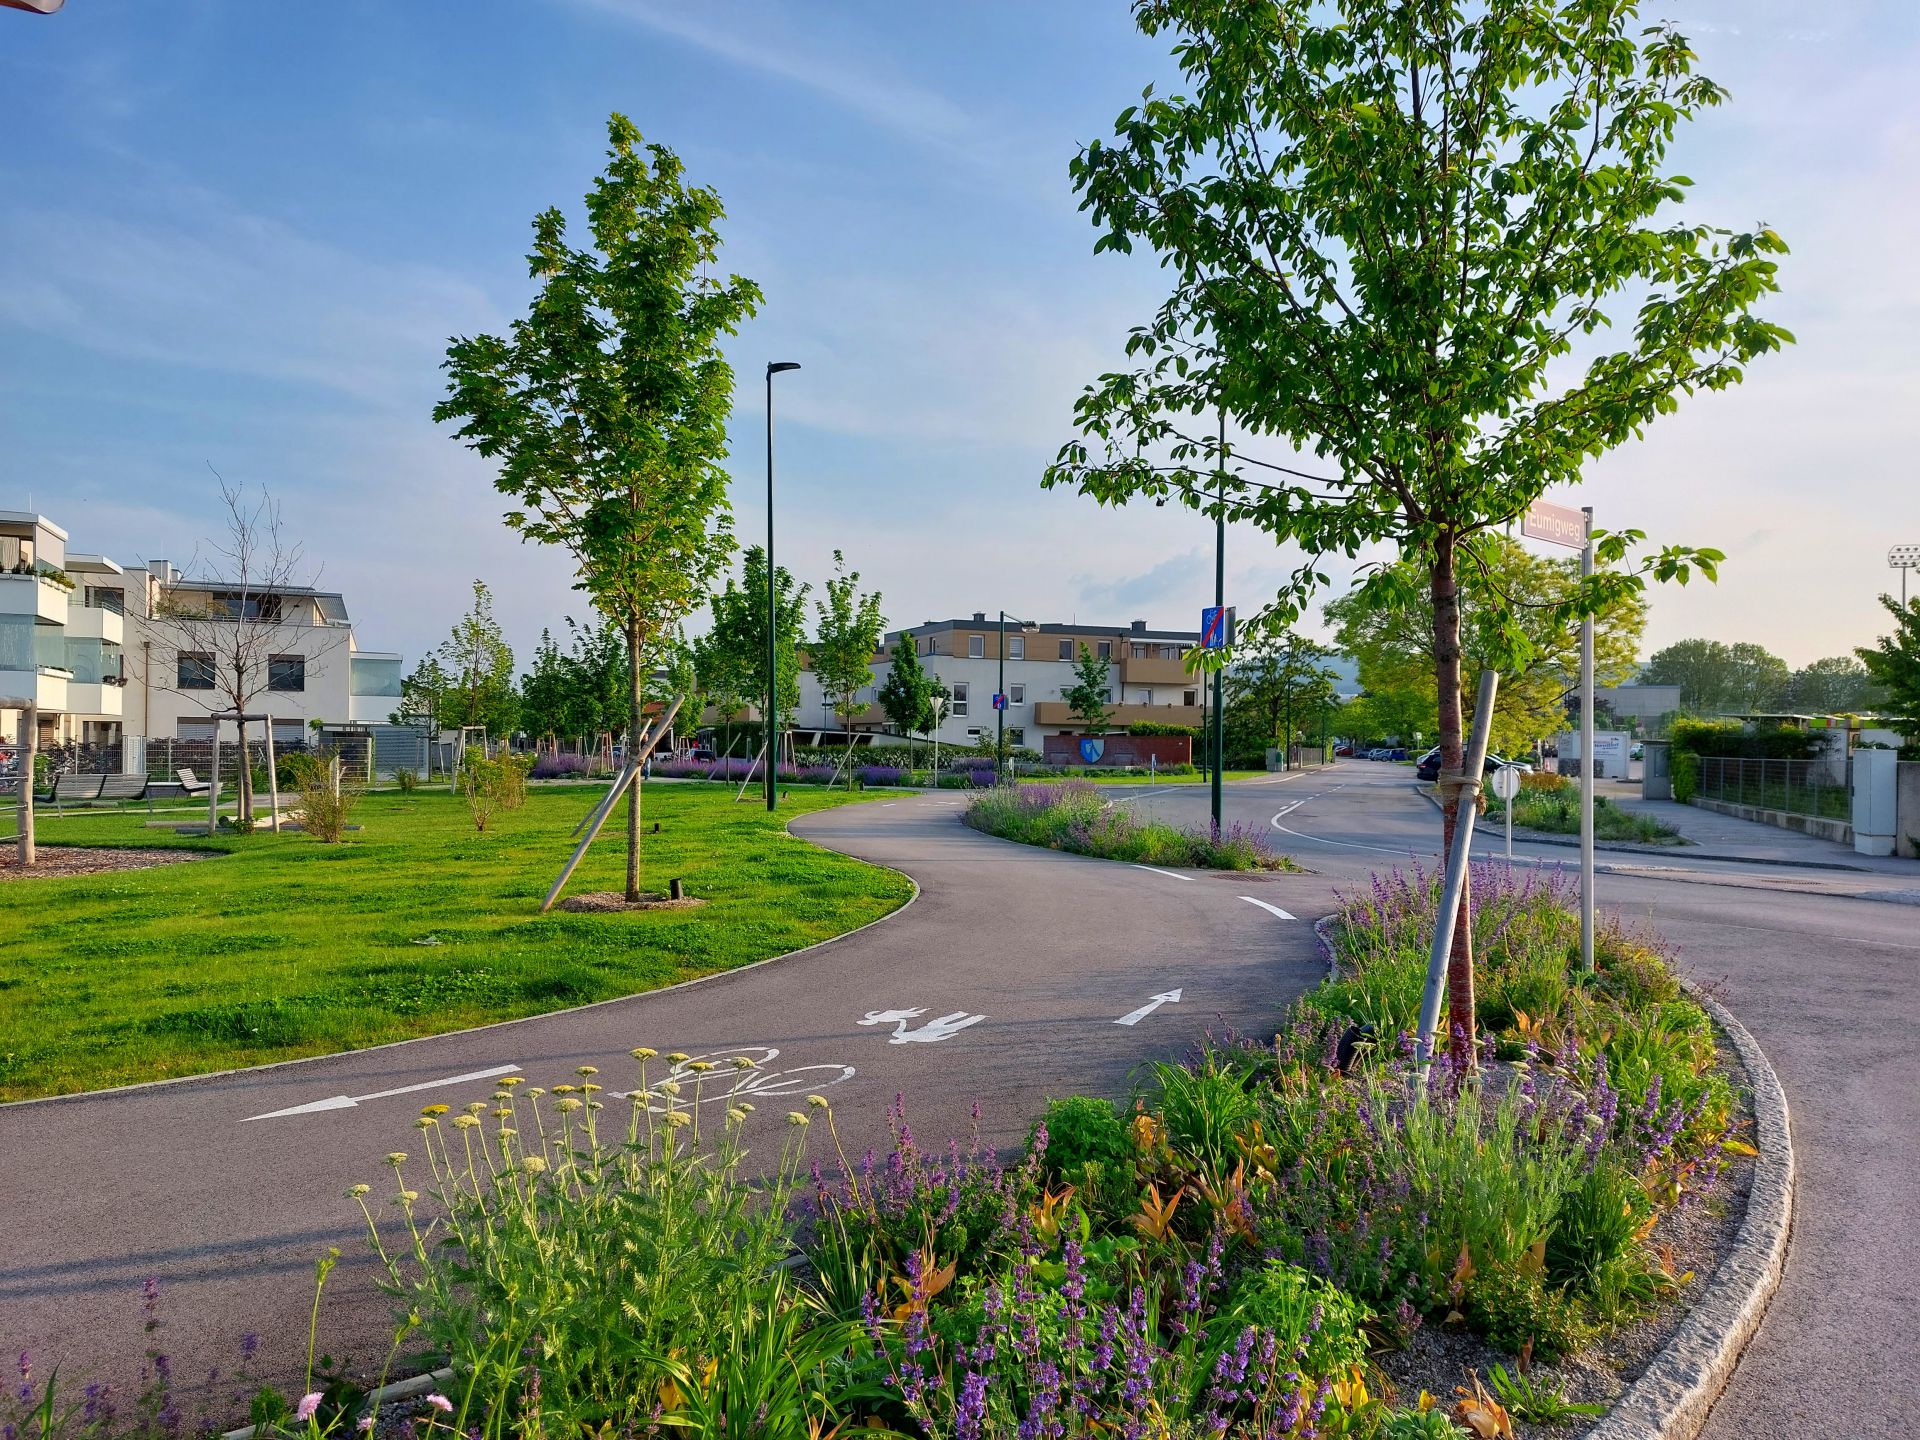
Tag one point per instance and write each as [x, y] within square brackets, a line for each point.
[79, 637]
[1147, 678]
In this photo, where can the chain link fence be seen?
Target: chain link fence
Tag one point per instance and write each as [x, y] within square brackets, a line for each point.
[1818, 788]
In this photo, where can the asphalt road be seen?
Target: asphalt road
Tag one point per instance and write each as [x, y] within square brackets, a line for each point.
[175, 1181]
[1029, 957]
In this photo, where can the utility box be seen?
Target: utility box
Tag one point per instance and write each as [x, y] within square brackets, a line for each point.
[1610, 751]
[1656, 775]
[1876, 799]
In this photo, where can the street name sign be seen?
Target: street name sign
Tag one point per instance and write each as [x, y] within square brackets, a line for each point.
[1555, 524]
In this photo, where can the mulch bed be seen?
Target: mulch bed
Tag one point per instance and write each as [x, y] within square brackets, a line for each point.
[52, 861]
[595, 901]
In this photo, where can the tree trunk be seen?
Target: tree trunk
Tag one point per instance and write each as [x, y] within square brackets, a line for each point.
[633, 752]
[1446, 657]
[243, 806]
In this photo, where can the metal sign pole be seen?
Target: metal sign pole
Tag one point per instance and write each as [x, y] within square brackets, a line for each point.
[1586, 759]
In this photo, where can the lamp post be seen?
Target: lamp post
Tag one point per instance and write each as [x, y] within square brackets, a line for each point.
[1217, 742]
[1904, 558]
[1000, 697]
[772, 716]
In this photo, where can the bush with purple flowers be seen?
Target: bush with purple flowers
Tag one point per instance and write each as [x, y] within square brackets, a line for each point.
[1072, 815]
[555, 766]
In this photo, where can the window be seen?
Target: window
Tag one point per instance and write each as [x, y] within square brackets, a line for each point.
[1145, 697]
[958, 705]
[287, 672]
[1016, 736]
[1169, 652]
[1066, 649]
[1017, 647]
[234, 605]
[194, 671]
[1106, 650]
[1191, 697]
[973, 732]
[1016, 694]
[1139, 652]
[101, 597]
[976, 647]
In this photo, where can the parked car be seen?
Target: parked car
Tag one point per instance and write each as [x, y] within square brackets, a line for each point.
[1342, 750]
[1428, 768]
[701, 753]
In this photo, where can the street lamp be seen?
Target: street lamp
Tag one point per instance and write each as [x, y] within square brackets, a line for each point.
[772, 717]
[1027, 627]
[1904, 558]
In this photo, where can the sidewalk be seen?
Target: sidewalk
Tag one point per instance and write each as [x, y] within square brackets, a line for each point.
[1724, 837]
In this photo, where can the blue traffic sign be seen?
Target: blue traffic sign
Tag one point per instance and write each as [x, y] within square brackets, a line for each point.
[999, 702]
[1216, 627]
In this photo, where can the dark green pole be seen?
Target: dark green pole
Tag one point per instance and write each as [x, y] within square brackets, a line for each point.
[1219, 741]
[771, 730]
[1000, 710]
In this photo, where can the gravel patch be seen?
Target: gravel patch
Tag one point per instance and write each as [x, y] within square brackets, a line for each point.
[53, 861]
[595, 901]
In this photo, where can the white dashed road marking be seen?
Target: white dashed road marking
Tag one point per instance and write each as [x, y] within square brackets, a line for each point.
[1275, 909]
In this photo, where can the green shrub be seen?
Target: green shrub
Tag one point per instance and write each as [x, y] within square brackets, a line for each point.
[1633, 975]
[1536, 981]
[1205, 1108]
[299, 768]
[1686, 775]
[1083, 1130]
[1511, 1307]
[1159, 727]
[325, 811]
[1600, 1214]
[407, 780]
[1284, 1299]
[1420, 1425]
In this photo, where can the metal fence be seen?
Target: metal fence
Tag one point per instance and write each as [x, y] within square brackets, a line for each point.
[1798, 787]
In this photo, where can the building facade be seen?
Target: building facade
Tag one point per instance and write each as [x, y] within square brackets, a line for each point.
[90, 643]
[1147, 678]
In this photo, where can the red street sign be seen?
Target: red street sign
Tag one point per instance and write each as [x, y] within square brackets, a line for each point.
[1556, 524]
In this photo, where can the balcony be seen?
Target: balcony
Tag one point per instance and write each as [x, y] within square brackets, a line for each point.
[1058, 712]
[95, 702]
[47, 688]
[87, 622]
[1155, 670]
[33, 595]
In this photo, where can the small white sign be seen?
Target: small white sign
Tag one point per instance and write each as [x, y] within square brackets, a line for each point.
[1506, 781]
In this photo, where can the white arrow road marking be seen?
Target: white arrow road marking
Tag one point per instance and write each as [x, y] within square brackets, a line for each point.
[1275, 909]
[945, 1027]
[347, 1102]
[1134, 1017]
[1170, 874]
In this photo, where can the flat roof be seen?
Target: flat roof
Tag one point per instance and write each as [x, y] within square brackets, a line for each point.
[29, 517]
[93, 564]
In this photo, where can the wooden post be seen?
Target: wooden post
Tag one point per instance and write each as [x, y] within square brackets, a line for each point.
[273, 777]
[29, 748]
[213, 783]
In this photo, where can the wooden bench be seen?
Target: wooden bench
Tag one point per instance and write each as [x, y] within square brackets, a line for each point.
[192, 784]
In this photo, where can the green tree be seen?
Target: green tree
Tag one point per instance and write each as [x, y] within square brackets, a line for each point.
[675, 672]
[1501, 584]
[1894, 663]
[1720, 679]
[602, 676]
[733, 654]
[478, 664]
[849, 633]
[1281, 682]
[1837, 685]
[547, 701]
[908, 693]
[1388, 224]
[422, 696]
[607, 405]
[1089, 697]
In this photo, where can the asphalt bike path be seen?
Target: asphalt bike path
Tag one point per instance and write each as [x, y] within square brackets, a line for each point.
[1827, 982]
[1015, 975]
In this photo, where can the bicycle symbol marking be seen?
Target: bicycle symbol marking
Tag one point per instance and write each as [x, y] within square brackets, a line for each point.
[728, 1083]
[943, 1028]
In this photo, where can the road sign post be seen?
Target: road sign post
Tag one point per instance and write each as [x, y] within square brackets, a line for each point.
[1216, 633]
[1563, 525]
[1506, 784]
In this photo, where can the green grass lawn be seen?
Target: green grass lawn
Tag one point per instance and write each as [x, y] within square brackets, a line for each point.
[280, 946]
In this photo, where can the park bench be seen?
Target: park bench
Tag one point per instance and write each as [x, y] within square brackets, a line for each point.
[192, 784]
[115, 788]
[75, 789]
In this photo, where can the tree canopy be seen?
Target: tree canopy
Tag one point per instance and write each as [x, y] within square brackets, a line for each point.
[1089, 697]
[1894, 664]
[1720, 679]
[477, 664]
[606, 405]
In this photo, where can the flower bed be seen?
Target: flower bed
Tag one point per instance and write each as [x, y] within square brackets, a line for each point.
[1252, 1248]
[1073, 816]
[1551, 804]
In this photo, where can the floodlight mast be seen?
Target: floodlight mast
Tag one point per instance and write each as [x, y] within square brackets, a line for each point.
[1904, 558]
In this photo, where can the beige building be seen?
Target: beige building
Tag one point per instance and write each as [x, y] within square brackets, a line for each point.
[83, 638]
[1147, 678]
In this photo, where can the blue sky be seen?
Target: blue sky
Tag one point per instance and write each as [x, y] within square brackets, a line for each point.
[239, 234]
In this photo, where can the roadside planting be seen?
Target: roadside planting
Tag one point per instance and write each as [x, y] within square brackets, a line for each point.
[1295, 1236]
[1072, 816]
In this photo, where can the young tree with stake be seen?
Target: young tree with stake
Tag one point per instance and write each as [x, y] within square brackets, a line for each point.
[908, 692]
[1089, 696]
[1390, 224]
[607, 404]
[850, 630]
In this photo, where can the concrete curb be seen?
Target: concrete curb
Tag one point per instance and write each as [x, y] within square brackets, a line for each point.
[1674, 1395]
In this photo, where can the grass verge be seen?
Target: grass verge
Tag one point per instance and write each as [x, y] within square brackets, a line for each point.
[283, 947]
[1071, 816]
[1557, 812]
